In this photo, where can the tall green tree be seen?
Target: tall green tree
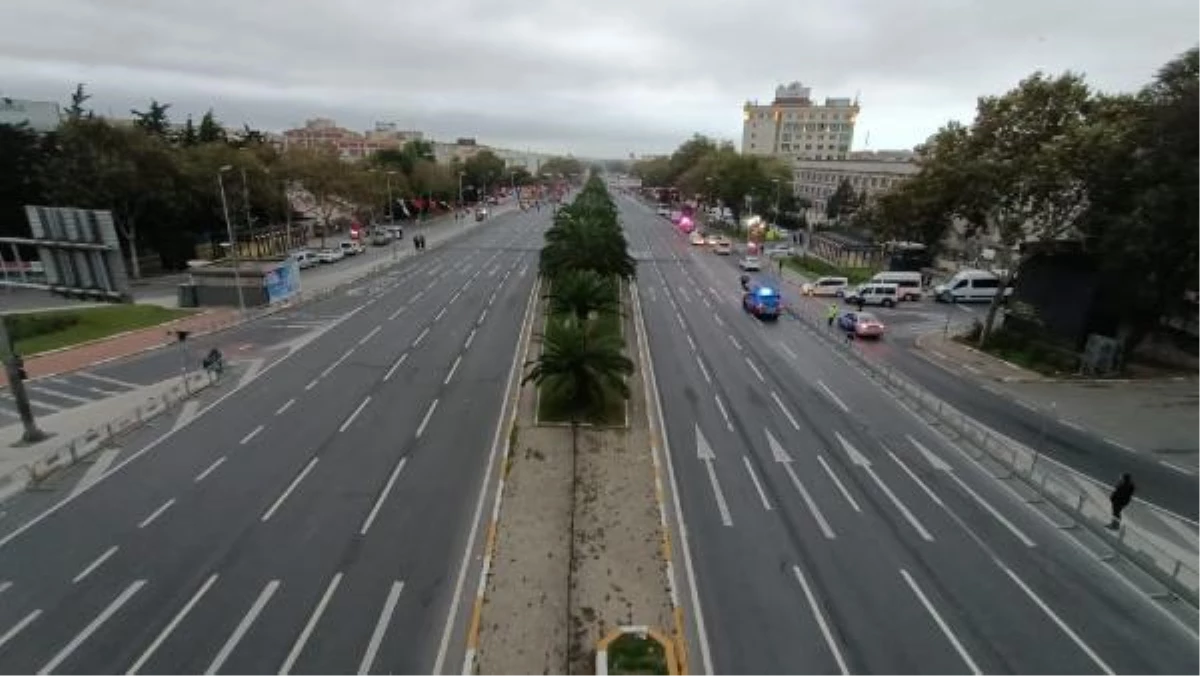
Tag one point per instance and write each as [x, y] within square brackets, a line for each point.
[582, 294]
[79, 97]
[843, 202]
[188, 136]
[484, 170]
[153, 120]
[22, 173]
[211, 131]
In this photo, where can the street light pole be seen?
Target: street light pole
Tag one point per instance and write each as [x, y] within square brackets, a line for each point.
[233, 249]
[391, 211]
[246, 205]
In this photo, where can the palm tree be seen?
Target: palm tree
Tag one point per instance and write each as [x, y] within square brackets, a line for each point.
[581, 293]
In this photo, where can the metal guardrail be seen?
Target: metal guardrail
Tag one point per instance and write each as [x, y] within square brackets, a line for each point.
[1180, 577]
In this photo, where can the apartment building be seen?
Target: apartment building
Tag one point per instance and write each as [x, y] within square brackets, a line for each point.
[793, 126]
[817, 180]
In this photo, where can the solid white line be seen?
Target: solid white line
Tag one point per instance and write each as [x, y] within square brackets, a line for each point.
[253, 433]
[757, 486]
[166, 632]
[834, 397]
[281, 409]
[912, 519]
[369, 336]
[808, 500]
[820, 618]
[703, 370]
[1177, 468]
[401, 360]
[785, 410]
[917, 480]
[291, 487]
[441, 313]
[387, 488]
[216, 464]
[103, 461]
[724, 413]
[156, 513]
[1057, 620]
[226, 650]
[111, 381]
[421, 336]
[1025, 540]
[755, 369]
[958, 646]
[734, 341]
[453, 368]
[108, 612]
[385, 617]
[838, 482]
[397, 313]
[354, 415]
[95, 564]
[425, 420]
[1068, 423]
[16, 629]
[302, 639]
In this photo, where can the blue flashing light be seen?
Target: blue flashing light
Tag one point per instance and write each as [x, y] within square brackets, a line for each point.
[764, 291]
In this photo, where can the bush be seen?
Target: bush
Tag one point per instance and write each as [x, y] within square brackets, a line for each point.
[25, 326]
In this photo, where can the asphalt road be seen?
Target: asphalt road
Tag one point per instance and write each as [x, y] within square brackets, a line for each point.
[311, 520]
[833, 532]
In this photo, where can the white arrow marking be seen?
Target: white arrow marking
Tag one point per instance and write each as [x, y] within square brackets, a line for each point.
[781, 456]
[861, 460]
[937, 463]
[705, 453]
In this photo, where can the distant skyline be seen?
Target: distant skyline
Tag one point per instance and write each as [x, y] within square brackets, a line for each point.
[595, 80]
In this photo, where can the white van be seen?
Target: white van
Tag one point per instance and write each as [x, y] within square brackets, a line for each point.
[909, 283]
[969, 286]
[874, 293]
[826, 286]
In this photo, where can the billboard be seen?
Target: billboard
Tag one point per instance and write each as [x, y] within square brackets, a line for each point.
[282, 281]
[79, 251]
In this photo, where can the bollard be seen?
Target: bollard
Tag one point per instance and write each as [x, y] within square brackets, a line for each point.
[108, 429]
[1079, 504]
[1175, 571]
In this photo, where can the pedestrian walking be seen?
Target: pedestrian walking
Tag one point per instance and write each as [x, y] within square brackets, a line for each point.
[1121, 496]
[416, 242]
[422, 242]
[831, 314]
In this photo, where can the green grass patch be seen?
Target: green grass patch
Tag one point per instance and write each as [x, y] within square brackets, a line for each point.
[36, 332]
[815, 267]
[631, 654]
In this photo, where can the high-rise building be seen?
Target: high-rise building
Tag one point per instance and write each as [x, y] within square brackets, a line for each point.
[793, 127]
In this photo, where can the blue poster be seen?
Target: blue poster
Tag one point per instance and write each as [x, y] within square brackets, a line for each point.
[283, 281]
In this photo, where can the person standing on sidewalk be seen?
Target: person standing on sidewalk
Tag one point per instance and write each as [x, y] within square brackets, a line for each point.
[1121, 496]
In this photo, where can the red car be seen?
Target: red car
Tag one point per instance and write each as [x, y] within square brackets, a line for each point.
[861, 324]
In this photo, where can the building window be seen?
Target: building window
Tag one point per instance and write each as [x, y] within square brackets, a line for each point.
[751, 145]
[820, 146]
[808, 146]
[785, 147]
[786, 137]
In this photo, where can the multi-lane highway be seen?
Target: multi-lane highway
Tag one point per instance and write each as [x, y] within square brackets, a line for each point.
[831, 531]
[312, 520]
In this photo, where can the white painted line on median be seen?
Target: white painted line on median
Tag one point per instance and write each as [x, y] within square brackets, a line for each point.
[703, 370]
[421, 336]
[958, 646]
[253, 433]
[838, 482]
[453, 368]
[166, 632]
[369, 336]
[735, 342]
[724, 413]
[757, 486]
[381, 626]
[354, 415]
[285, 407]
[917, 480]
[156, 513]
[95, 564]
[755, 369]
[388, 376]
[244, 626]
[387, 488]
[1020, 535]
[53, 664]
[103, 461]
[302, 639]
[288, 491]
[217, 463]
[820, 618]
[1057, 620]
[16, 628]
[482, 316]
[786, 412]
[425, 420]
[441, 313]
[833, 397]
[470, 337]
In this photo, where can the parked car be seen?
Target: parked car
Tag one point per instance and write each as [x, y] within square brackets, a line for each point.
[330, 255]
[779, 251]
[969, 286]
[381, 237]
[304, 258]
[909, 283]
[750, 264]
[711, 240]
[825, 286]
[697, 239]
[352, 248]
[663, 211]
[874, 293]
[861, 324]
[724, 247]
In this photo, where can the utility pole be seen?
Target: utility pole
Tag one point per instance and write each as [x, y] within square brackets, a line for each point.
[15, 369]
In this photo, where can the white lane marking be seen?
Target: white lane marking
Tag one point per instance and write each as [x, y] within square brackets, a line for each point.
[42, 389]
[786, 412]
[679, 318]
[288, 491]
[416, 297]
[52, 665]
[329, 369]
[826, 530]
[433, 271]
[311, 384]
[862, 461]
[1057, 620]
[917, 480]
[285, 407]
[456, 295]
[491, 299]
[369, 336]
[788, 351]
[820, 618]
[103, 461]
[387, 488]
[1177, 468]
[453, 368]
[355, 414]
[833, 397]
[385, 618]
[691, 343]
[757, 486]
[735, 342]
[166, 632]
[755, 369]
[253, 433]
[470, 337]
[703, 370]
[421, 336]
[251, 372]
[95, 564]
[217, 463]
[111, 381]
[958, 646]
[441, 313]
[724, 413]
[4, 586]
[251, 615]
[1072, 425]
[302, 639]
[156, 513]
[482, 316]
[16, 629]
[720, 322]
[838, 482]
[1020, 535]
[706, 455]
[425, 420]
[397, 313]
[388, 376]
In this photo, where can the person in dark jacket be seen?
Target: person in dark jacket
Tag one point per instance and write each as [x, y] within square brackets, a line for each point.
[1121, 496]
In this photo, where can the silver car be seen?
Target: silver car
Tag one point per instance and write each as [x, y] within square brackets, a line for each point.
[750, 264]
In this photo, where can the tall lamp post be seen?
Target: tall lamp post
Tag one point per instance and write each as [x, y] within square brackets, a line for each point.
[233, 248]
[391, 203]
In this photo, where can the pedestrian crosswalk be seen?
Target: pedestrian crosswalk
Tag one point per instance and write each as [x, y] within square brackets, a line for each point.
[60, 393]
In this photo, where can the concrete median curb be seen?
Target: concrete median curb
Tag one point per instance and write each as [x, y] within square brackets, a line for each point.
[642, 633]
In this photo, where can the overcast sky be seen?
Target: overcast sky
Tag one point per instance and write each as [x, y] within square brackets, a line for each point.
[597, 78]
